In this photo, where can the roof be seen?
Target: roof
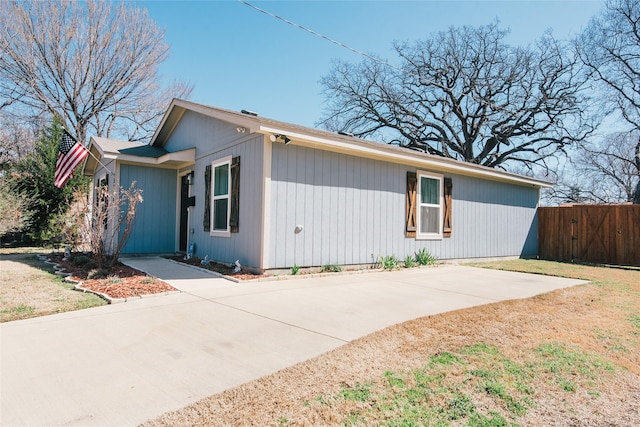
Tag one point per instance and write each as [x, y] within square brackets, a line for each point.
[331, 141]
[104, 150]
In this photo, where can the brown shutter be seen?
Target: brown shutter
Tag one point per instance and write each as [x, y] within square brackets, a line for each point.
[235, 194]
[448, 225]
[207, 199]
[410, 229]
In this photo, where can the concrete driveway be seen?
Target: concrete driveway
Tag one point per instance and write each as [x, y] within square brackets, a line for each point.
[123, 364]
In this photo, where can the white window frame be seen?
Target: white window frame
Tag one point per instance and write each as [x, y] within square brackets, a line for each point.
[217, 163]
[419, 204]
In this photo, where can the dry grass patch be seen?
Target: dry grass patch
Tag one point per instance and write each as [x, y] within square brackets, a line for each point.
[569, 357]
[29, 289]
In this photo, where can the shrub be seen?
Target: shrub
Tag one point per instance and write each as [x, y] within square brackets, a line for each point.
[98, 273]
[114, 279]
[389, 262]
[81, 260]
[330, 268]
[295, 269]
[409, 261]
[423, 257]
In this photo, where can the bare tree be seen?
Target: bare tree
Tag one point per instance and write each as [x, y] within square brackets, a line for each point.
[92, 63]
[610, 171]
[465, 94]
[610, 49]
[604, 172]
[17, 137]
[14, 210]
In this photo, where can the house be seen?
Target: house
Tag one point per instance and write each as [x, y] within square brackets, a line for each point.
[272, 195]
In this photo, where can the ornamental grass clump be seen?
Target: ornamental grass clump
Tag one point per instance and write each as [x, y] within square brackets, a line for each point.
[423, 257]
[389, 262]
[409, 261]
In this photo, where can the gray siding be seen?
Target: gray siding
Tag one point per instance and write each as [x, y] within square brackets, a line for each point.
[213, 140]
[244, 245]
[352, 211]
[202, 132]
[154, 229]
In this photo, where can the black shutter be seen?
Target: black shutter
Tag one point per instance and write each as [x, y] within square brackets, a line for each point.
[207, 199]
[235, 195]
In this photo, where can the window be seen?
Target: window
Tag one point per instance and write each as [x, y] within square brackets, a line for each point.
[220, 197]
[222, 205]
[411, 199]
[429, 205]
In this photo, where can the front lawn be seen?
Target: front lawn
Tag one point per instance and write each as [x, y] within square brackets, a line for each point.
[28, 288]
[569, 357]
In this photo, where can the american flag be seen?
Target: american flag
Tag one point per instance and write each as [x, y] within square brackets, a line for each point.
[70, 155]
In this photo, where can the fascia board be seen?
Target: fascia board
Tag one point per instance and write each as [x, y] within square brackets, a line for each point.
[237, 119]
[94, 157]
[184, 157]
[391, 155]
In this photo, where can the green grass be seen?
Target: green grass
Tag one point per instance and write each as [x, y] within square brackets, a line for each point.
[29, 289]
[358, 393]
[453, 387]
[19, 311]
[567, 365]
[444, 358]
[564, 358]
[635, 321]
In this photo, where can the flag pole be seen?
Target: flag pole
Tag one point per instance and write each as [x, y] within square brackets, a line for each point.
[97, 160]
[88, 150]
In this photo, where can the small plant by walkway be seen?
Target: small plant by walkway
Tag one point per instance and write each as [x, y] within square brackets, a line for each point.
[423, 257]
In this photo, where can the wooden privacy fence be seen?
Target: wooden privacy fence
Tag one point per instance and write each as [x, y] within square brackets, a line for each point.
[603, 234]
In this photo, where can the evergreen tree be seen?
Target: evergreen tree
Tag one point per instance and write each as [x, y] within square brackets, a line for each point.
[33, 178]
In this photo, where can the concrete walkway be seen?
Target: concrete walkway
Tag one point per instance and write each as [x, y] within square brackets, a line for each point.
[123, 364]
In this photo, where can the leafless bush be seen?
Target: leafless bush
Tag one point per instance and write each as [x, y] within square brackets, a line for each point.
[102, 226]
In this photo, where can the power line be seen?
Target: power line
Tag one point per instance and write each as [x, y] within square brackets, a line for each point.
[361, 53]
[315, 33]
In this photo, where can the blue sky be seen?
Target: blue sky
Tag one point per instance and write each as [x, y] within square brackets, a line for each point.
[238, 58]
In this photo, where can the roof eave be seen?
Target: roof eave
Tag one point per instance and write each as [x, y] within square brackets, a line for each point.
[379, 151]
[334, 142]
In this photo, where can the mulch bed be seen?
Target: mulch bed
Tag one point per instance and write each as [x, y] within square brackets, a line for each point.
[123, 281]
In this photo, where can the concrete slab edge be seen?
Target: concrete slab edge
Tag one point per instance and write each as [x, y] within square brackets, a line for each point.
[204, 270]
[278, 277]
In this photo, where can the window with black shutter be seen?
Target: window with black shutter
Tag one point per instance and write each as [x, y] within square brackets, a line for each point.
[222, 196]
